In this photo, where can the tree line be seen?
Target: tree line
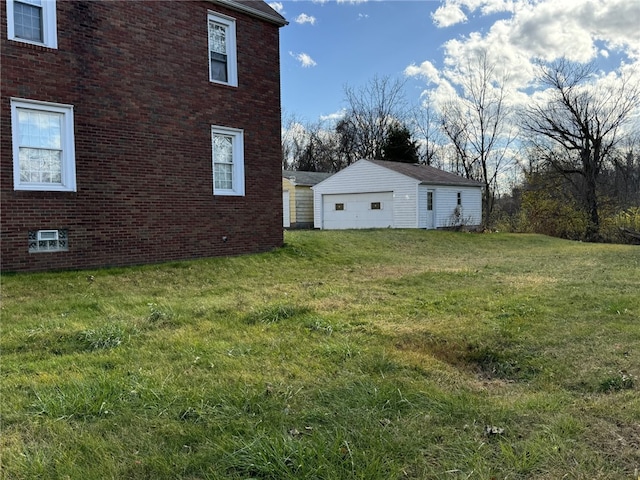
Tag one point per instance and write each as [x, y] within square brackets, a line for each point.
[565, 163]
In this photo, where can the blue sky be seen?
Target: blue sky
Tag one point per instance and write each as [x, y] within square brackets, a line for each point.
[350, 44]
[332, 43]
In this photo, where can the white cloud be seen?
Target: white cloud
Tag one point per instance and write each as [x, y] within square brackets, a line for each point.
[304, 18]
[447, 15]
[578, 30]
[426, 69]
[362, 16]
[550, 29]
[497, 6]
[277, 6]
[305, 60]
[451, 12]
[333, 117]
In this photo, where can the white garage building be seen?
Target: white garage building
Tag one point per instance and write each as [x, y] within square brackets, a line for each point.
[382, 194]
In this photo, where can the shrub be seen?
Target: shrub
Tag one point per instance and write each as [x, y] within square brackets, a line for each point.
[549, 215]
[620, 226]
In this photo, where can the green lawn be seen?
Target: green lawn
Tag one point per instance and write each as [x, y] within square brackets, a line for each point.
[358, 354]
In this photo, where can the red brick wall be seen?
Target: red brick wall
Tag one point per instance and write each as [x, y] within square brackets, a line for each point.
[136, 73]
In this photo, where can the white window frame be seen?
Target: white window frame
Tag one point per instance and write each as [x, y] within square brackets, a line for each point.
[68, 174]
[237, 145]
[49, 24]
[47, 241]
[232, 60]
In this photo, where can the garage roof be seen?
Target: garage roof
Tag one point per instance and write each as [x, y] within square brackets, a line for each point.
[427, 174]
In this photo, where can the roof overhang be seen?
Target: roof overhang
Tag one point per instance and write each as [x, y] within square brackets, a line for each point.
[453, 184]
[245, 7]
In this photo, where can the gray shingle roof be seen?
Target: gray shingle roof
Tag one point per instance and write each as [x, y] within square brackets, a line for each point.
[305, 178]
[427, 174]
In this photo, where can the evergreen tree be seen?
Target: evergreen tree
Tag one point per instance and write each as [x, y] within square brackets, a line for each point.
[398, 146]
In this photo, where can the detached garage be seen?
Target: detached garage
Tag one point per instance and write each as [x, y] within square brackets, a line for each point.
[382, 194]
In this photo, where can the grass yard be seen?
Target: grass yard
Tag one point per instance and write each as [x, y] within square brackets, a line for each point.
[385, 354]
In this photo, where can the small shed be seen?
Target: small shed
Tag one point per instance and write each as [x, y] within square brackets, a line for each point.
[383, 194]
[297, 197]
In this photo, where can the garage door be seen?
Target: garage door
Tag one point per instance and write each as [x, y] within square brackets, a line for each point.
[357, 210]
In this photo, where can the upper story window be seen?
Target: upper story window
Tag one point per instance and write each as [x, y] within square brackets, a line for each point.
[43, 146]
[32, 21]
[222, 50]
[228, 161]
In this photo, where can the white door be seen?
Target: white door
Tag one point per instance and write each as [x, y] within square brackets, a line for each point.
[357, 210]
[425, 208]
[430, 224]
[286, 213]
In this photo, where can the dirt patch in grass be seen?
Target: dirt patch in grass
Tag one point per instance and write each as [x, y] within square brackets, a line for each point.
[618, 442]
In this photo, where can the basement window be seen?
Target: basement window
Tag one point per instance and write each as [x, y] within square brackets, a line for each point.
[340, 206]
[48, 241]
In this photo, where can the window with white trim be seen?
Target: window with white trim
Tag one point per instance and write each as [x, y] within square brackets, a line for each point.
[227, 147]
[32, 21]
[43, 146]
[223, 66]
[48, 241]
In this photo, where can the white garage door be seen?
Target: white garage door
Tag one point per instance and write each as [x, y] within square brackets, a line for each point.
[357, 210]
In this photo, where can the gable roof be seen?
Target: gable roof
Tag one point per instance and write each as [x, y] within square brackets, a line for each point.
[305, 178]
[257, 8]
[427, 174]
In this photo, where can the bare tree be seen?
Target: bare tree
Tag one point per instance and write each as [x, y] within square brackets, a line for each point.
[476, 122]
[371, 111]
[579, 126]
[293, 140]
[319, 155]
[310, 147]
[428, 134]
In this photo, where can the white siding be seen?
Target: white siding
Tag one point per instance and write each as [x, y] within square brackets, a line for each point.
[446, 200]
[365, 177]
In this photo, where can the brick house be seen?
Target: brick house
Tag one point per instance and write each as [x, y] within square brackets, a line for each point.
[137, 132]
